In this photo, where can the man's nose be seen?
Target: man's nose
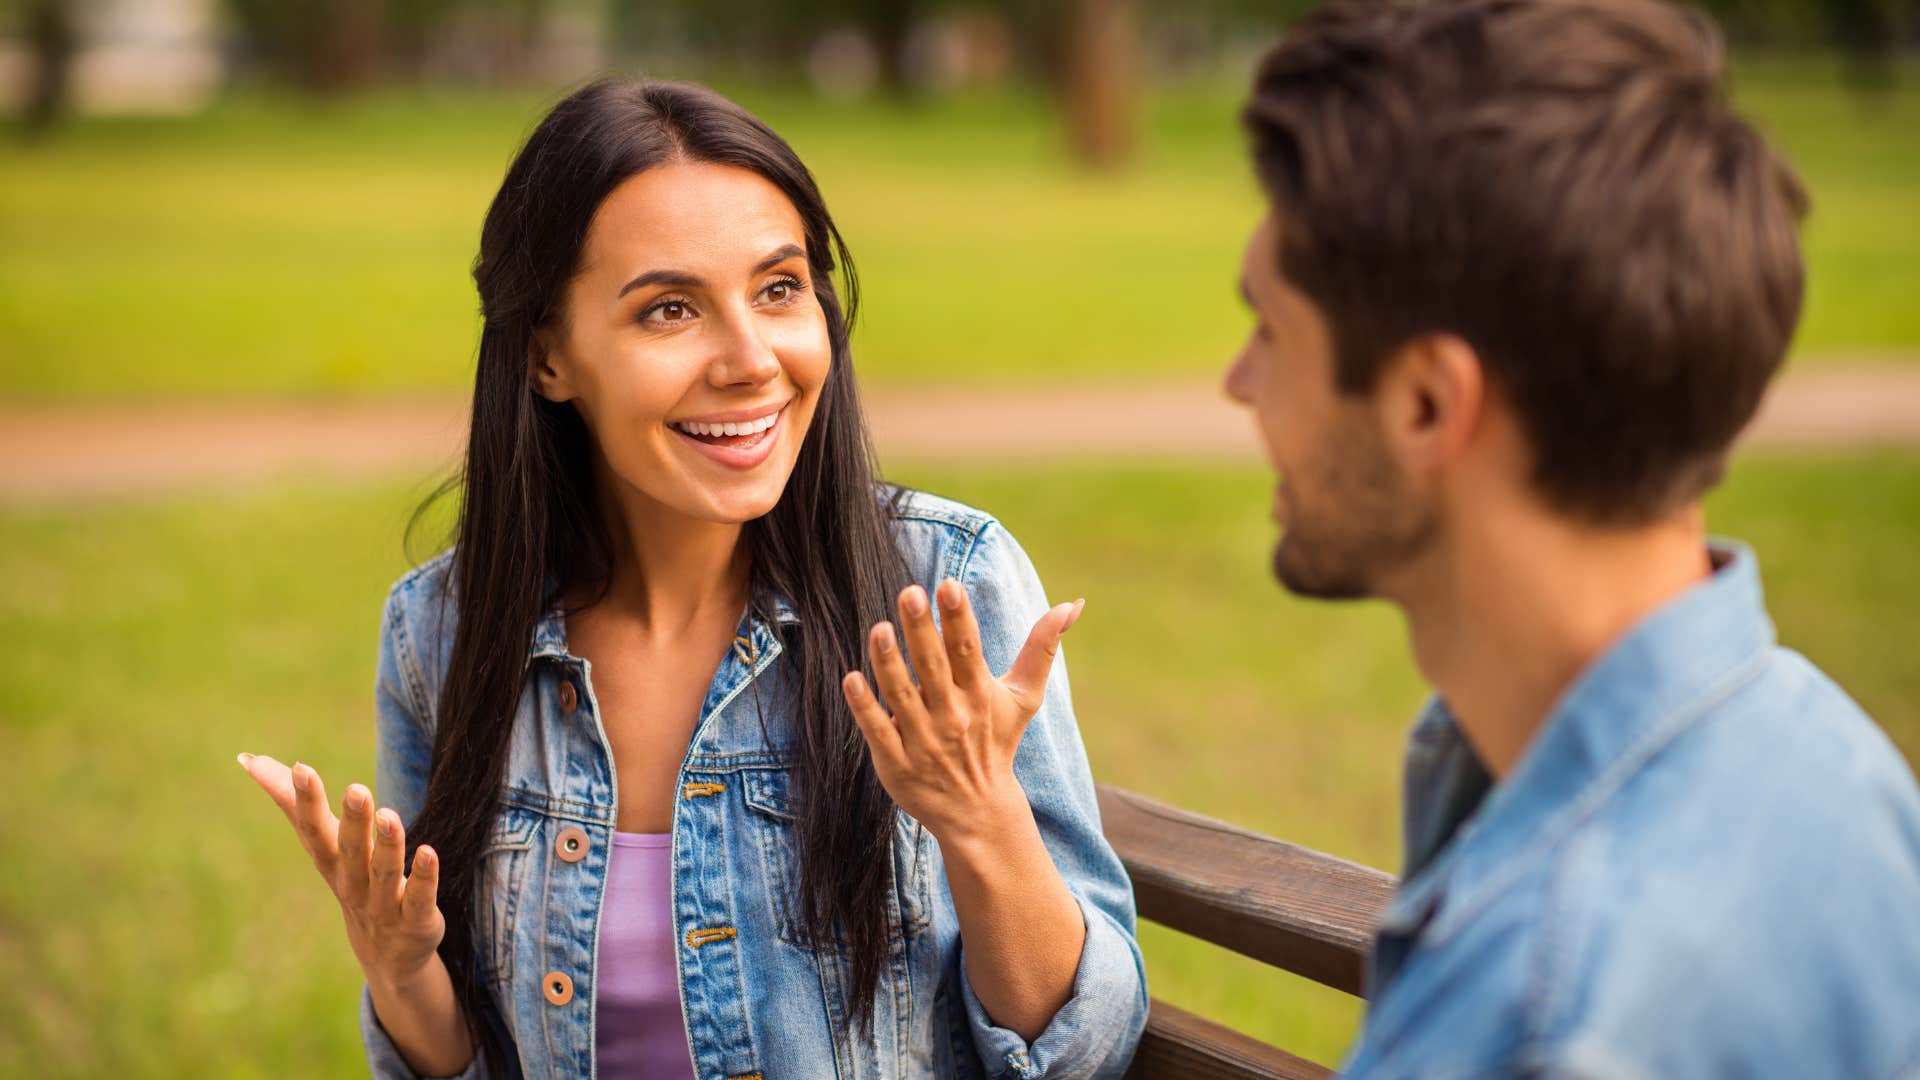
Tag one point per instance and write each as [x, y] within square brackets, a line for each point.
[1239, 380]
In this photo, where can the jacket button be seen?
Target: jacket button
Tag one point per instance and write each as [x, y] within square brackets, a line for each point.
[746, 650]
[558, 987]
[569, 697]
[572, 844]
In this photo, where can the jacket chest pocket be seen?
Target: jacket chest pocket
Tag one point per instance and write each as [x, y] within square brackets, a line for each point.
[768, 795]
[503, 877]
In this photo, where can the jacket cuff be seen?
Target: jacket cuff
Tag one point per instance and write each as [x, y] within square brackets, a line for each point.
[383, 1058]
[1094, 1033]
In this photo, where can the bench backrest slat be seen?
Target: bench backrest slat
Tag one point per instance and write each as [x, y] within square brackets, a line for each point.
[1178, 1045]
[1279, 903]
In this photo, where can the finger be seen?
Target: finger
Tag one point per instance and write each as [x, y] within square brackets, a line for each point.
[962, 636]
[924, 646]
[275, 779]
[882, 734]
[423, 886]
[389, 860]
[356, 844]
[319, 829]
[1027, 679]
[892, 680]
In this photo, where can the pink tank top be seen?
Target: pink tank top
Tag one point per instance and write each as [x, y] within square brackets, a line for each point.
[638, 1029]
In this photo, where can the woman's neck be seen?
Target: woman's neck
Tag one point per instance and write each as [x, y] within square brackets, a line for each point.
[671, 571]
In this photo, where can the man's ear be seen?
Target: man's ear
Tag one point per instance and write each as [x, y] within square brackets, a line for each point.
[547, 369]
[1432, 397]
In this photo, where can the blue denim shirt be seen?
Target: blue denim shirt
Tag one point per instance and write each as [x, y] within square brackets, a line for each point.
[1707, 864]
[759, 998]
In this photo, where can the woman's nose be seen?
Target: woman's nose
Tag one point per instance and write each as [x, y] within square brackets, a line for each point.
[745, 357]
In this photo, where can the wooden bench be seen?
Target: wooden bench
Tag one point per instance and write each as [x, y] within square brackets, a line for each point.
[1281, 904]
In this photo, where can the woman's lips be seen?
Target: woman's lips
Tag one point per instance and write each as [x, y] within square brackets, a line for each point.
[736, 451]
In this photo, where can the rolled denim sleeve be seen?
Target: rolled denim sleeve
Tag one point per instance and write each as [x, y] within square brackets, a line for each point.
[383, 1058]
[403, 756]
[1094, 1034]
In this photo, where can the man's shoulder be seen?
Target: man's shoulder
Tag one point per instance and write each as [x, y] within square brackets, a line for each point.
[1709, 916]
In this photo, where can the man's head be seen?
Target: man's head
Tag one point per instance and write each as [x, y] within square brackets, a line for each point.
[1518, 252]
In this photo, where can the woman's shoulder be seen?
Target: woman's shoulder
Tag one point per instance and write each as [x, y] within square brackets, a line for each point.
[947, 517]
[427, 585]
[416, 627]
[944, 538]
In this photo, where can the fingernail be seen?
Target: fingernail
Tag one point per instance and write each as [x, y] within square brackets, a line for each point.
[885, 642]
[385, 821]
[855, 685]
[914, 602]
[244, 759]
[950, 594]
[1078, 607]
[356, 799]
[299, 776]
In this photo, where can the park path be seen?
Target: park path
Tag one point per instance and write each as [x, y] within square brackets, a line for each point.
[84, 452]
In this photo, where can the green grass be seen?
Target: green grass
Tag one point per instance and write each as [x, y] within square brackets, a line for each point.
[157, 917]
[280, 247]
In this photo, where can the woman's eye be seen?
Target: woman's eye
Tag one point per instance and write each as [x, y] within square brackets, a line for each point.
[667, 311]
[781, 291]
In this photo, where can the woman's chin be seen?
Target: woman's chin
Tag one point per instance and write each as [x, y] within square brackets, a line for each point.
[736, 508]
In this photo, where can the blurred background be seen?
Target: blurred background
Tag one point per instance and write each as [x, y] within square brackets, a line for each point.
[236, 326]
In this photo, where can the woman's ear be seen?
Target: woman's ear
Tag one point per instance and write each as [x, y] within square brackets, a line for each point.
[547, 369]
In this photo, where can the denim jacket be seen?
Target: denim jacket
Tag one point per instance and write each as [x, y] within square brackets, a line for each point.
[760, 999]
[1707, 864]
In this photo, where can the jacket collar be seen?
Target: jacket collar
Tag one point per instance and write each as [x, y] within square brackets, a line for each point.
[753, 636]
[1467, 837]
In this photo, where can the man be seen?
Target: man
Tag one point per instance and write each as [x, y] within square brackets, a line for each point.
[1524, 277]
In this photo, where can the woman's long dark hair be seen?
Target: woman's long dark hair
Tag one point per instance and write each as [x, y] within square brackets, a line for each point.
[530, 529]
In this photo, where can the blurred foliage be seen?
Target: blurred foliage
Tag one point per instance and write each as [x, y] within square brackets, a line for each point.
[294, 37]
[275, 246]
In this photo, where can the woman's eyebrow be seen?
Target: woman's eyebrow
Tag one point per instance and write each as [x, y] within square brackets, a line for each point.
[662, 277]
[685, 280]
[780, 255]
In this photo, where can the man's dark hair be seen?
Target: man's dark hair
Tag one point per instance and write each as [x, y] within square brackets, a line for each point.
[1562, 184]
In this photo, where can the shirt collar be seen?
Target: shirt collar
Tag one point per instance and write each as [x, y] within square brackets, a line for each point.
[1467, 837]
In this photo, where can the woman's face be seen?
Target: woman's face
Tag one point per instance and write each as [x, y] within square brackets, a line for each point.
[691, 341]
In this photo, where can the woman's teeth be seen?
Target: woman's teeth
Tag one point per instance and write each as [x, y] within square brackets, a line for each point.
[750, 427]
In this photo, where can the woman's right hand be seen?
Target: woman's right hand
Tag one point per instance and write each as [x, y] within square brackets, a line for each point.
[393, 921]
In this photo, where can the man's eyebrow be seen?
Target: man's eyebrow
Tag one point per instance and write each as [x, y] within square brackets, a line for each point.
[686, 280]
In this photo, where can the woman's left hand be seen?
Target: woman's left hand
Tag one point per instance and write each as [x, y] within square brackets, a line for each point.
[946, 752]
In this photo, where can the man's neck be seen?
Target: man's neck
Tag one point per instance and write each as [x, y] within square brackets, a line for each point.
[1508, 611]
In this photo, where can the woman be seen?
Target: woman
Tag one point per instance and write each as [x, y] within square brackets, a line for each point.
[664, 828]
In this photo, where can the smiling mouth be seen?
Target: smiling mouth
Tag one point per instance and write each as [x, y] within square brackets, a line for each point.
[741, 435]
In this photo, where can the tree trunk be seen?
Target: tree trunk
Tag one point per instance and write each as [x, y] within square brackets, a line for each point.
[1099, 80]
[50, 34]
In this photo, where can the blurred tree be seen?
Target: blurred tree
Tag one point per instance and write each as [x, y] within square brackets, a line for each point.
[890, 22]
[1098, 80]
[324, 46]
[51, 41]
